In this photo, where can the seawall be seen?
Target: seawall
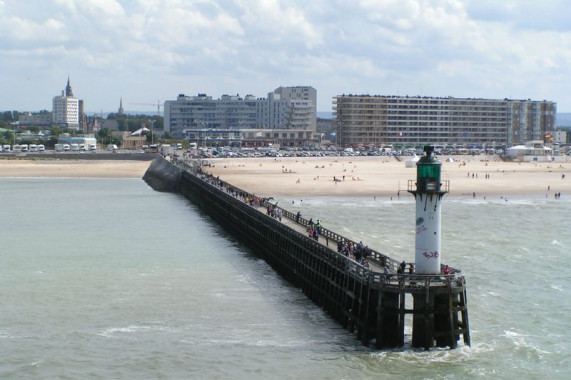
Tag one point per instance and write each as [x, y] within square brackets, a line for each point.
[102, 156]
[162, 175]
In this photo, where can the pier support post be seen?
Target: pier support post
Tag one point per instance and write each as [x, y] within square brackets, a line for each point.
[423, 320]
[390, 331]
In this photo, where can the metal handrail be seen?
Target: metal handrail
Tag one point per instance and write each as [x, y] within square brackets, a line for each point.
[392, 278]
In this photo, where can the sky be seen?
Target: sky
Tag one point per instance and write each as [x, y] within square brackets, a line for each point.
[148, 51]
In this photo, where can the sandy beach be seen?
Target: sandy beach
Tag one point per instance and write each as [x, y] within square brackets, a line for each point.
[384, 176]
[73, 168]
[355, 176]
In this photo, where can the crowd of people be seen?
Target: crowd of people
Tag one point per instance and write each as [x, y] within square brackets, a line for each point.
[358, 252]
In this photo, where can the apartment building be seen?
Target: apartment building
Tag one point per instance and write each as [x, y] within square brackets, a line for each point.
[284, 108]
[379, 119]
[67, 109]
[41, 119]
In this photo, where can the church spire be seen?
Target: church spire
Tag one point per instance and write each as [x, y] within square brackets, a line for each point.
[121, 111]
[68, 90]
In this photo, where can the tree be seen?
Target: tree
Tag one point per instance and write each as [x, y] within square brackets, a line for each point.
[7, 116]
[104, 136]
[133, 124]
[56, 131]
[122, 124]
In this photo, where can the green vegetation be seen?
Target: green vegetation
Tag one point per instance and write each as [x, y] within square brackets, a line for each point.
[133, 122]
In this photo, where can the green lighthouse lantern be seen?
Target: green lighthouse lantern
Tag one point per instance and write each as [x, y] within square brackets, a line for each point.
[428, 172]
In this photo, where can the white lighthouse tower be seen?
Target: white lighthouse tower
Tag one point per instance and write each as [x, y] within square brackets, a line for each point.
[428, 195]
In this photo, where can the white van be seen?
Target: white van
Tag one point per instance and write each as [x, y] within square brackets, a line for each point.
[66, 147]
[41, 148]
[7, 148]
[33, 148]
[92, 147]
[74, 147]
[58, 147]
[24, 148]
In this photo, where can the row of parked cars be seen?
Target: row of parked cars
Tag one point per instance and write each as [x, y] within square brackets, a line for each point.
[74, 147]
[18, 148]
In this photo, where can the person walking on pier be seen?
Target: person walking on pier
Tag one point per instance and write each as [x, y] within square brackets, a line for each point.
[402, 267]
[297, 216]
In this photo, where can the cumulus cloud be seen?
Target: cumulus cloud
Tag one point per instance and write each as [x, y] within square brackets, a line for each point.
[159, 48]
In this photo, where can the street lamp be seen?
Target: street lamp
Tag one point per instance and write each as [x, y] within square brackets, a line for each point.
[339, 129]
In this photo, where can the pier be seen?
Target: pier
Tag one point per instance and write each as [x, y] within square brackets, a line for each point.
[375, 305]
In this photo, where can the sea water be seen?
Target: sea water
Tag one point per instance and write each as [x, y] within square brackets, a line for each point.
[108, 279]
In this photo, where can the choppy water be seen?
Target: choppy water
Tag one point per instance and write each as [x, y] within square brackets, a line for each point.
[107, 279]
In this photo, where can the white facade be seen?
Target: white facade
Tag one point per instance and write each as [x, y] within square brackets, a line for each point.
[302, 106]
[66, 111]
[66, 108]
[285, 108]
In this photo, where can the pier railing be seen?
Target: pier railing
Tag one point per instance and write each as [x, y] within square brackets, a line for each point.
[363, 298]
[380, 259]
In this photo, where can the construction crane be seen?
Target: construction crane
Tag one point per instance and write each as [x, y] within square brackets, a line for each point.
[157, 104]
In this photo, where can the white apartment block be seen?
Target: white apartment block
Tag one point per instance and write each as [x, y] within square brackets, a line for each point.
[285, 108]
[66, 109]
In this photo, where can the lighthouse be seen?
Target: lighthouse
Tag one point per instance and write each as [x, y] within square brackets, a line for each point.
[428, 195]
